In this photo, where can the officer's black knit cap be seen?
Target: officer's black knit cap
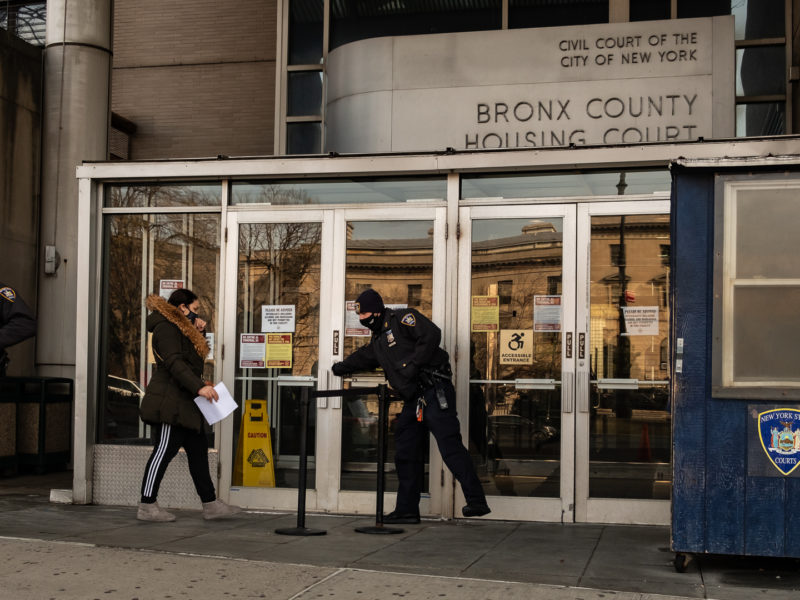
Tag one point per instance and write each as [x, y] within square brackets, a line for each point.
[369, 301]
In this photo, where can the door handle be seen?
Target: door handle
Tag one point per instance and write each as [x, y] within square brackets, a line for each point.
[323, 402]
[535, 384]
[567, 391]
[583, 392]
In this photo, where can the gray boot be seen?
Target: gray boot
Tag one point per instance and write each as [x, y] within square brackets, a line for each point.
[153, 512]
[219, 510]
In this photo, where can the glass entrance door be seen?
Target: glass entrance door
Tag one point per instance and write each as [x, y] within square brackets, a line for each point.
[293, 277]
[274, 302]
[516, 340]
[563, 319]
[400, 254]
[624, 472]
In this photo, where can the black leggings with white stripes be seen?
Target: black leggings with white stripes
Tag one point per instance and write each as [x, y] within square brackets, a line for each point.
[167, 440]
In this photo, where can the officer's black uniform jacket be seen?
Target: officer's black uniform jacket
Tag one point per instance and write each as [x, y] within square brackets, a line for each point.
[407, 342]
[17, 323]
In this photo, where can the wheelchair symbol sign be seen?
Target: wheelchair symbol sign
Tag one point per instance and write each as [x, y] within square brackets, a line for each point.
[515, 347]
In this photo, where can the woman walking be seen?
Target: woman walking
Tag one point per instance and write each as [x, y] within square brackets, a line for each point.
[179, 347]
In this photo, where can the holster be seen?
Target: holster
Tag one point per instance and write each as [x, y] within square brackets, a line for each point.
[435, 378]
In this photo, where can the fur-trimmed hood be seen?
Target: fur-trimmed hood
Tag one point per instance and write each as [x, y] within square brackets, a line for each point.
[173, 314]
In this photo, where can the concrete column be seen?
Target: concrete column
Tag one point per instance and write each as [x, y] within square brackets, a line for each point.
[77, 75]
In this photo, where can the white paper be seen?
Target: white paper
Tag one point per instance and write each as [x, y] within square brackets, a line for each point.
[277, 318]
[641, 320]
[547, 313]
[216, 411]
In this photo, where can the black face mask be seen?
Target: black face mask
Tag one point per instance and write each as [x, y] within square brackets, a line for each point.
[372, 322]
[192, 316]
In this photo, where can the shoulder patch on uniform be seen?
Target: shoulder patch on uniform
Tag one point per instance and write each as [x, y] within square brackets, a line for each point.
[408, 319]
[8, 294]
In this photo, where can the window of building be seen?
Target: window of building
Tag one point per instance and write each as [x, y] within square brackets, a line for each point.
[650, 10]
[544, 13]
[353, 20]
[338, 191]
[304, 93]
[757, 288]
[124, 195]
[414, 299]
[664, 253]
[554, 285]
[26, 20]
[505, 290]
[760, 32]
[614, 250]
[601, 183]
[304, 137]
[304, 89]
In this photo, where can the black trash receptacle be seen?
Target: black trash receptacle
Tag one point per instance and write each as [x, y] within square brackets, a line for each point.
[44, 411]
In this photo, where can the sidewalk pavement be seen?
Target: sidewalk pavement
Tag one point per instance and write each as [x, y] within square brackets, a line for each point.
[70, 551]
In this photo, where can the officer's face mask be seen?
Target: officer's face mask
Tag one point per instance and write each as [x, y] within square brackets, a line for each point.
[372, 322]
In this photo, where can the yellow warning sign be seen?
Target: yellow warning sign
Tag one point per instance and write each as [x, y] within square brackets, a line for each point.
[254, 453]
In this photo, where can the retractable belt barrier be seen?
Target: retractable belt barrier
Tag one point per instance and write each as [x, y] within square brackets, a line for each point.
[305, 401]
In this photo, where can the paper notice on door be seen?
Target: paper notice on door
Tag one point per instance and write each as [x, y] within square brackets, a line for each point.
[547, 313]
[277, 318]
[167, 286]
[640, 320]
[279, 350]
[251, 350]
[353, 327]
[485, 315]
[216, 411]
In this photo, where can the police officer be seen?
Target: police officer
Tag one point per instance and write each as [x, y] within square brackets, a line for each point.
[405, 344]
[17, 323]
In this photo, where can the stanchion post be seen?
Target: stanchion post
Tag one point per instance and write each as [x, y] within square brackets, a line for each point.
[383, 425]
[301, 528]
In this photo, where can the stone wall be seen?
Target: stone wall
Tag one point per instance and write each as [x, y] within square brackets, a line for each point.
[20, 156]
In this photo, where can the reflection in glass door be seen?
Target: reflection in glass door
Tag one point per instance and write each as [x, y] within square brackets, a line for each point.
[624, 410]
[517, 311]
[277, 344]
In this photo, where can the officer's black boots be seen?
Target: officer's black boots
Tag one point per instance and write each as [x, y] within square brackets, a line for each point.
[476, 510]
[401, 518]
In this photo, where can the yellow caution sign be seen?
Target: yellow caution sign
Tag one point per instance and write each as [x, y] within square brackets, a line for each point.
[254, 452]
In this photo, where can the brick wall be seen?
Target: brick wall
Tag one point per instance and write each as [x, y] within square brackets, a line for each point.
[196, 78]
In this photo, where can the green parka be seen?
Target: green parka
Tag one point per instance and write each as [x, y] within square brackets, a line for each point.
[179, 350]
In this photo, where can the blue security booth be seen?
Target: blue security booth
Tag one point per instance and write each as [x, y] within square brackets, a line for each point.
[735, 347]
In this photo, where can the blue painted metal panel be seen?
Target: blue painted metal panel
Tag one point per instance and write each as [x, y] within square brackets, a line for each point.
[726, 463]
[765, 519]
[791, 512]
[691, 278]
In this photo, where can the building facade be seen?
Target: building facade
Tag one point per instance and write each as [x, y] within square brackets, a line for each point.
[502, 166]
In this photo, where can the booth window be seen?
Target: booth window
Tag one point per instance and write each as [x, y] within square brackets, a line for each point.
[757, 288]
